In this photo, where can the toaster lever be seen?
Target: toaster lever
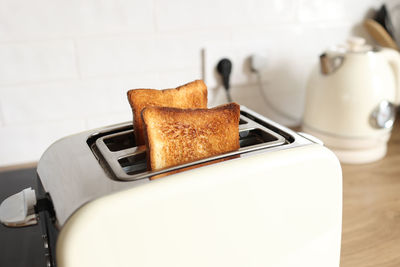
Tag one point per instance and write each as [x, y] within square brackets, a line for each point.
[18, 210]
[45, 204]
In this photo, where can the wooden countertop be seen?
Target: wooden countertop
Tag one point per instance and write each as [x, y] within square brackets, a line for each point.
[371, 210]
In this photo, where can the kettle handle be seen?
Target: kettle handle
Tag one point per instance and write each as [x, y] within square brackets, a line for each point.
[393, 58]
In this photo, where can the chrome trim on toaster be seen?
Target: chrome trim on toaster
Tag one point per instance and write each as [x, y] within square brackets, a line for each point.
[139, 171]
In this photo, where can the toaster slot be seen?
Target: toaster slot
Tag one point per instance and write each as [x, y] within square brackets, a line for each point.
[289, 138]
[123, 160]
[134, 164]
[254, 137]
[119, 142]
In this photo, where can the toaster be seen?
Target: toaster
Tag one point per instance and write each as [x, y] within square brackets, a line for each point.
[277, 201]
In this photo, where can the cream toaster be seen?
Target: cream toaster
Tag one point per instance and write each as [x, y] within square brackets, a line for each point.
[277, 201]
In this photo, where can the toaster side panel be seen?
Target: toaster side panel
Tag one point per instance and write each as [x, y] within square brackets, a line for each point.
[270, 209]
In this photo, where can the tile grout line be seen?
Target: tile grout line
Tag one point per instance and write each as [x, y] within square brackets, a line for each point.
[77, 61]
[36, 83]
[86, 123]
[155, 27]
[90, 36]
[2, 118]
[297, 12]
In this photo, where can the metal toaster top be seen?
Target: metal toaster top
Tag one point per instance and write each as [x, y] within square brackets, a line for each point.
[123, 160]
[88, 165]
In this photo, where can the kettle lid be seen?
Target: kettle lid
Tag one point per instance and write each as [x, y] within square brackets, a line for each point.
[354, 44]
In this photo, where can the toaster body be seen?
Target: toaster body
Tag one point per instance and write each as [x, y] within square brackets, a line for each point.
[278, 209]
[277, 201]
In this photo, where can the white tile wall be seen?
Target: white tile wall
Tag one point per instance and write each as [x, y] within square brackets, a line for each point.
[53, 101]
[80, 98]
[177, 15]
[26, 142]
[1, 116]
[129, 54]
[37, 61]
[332, 10]
[108, 119]
[65, 66]
[49, 19]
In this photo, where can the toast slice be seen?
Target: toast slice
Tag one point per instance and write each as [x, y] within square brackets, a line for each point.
[191, 95]
[176, 136]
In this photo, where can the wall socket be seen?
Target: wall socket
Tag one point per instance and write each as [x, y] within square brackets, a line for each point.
[275, 79]
[239, 54]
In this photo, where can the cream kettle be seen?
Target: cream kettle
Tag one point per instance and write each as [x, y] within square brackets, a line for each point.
[351, 100]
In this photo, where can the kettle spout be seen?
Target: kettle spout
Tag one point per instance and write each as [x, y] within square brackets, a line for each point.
[330, 64]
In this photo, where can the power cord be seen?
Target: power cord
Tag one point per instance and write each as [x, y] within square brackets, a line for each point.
[255, 68]
[224, 68]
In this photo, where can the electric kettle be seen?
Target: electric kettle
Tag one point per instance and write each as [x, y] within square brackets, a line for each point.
[351, 100]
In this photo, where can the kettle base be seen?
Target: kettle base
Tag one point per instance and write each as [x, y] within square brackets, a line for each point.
[350, 150]
[360, 156]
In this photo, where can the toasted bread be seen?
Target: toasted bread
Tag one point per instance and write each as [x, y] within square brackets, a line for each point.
[176, 136]
[191, 95]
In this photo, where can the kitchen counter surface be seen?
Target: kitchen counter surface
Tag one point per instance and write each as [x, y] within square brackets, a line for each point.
[371, 210]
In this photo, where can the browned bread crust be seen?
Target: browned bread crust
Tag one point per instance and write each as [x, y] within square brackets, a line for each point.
[191, 95]
[176, 136]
